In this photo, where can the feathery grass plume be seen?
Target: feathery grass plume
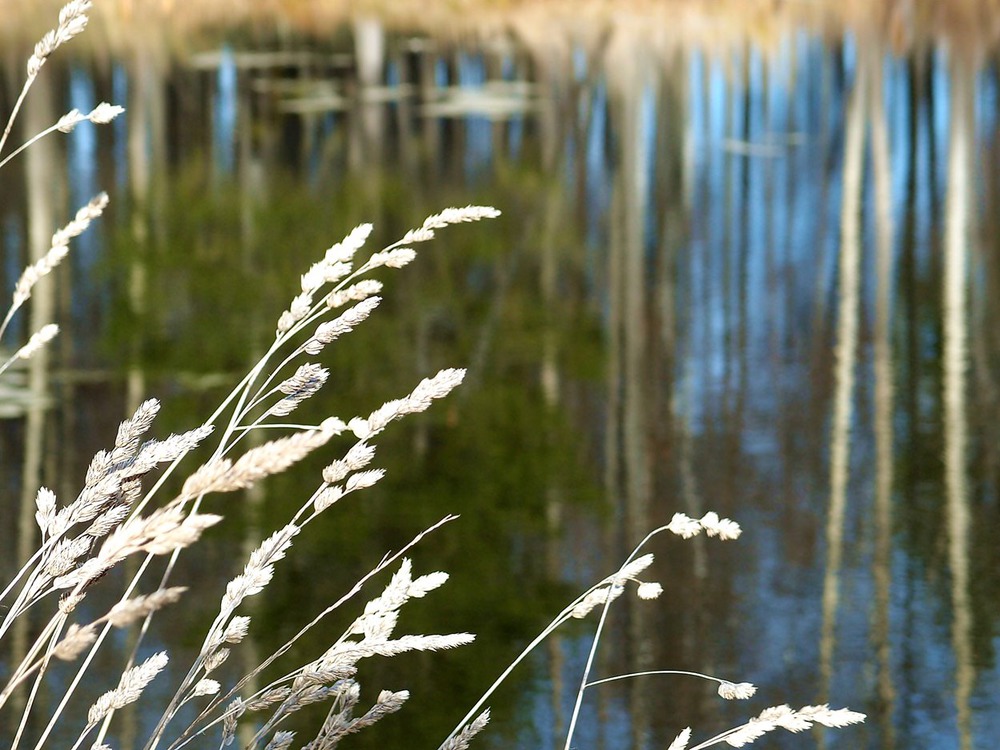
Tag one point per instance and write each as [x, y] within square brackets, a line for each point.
[77, 639]
[632, 568]
[354, 293]
[736, 690]
[327, 497]
[274, 457]
[338, 663]
[359, 456]
[130, 687]
[57, 251]
[266, 699]
[107, 522]
[378, 619]
[349, 652]
[770, 719]
[332, 268]
[363, 479]
[113, 517]
[282, 740]
[724, 528]
[38, 339]
[461, 740]
[102, 114]
[131, 430]
[396, 257]
[344, 251]
[331, 675]
[417, 401]
[306, 381]
[376, 625]
[333, 329]
[206, 686]
[649, 590]
[444, 218]
[72, 21]
[215, 659]
[45, 504]
[784, 717]
[346, 695]
[103, 487]
[160, 533]
[236, 630]
[128, 611]
[681, 740]
[601, 594]
[113, 477]
[339, 725]
[65, 554]
[152, 453]
[686, 527]
[259, 569]
[93, 499]
[594, 599]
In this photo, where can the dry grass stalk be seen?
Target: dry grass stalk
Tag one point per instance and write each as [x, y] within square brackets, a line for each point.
[602, 595]
[72, 21]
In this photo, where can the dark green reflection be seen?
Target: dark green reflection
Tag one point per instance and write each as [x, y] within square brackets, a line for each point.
[496, 453]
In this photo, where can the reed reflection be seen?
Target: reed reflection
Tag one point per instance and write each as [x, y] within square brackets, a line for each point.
[884, 400]
[955, 300]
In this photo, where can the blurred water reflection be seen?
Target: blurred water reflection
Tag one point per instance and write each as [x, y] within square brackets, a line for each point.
[758, 280]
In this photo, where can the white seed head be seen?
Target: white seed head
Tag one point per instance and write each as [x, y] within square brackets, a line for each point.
[649, 590]
[736, 690]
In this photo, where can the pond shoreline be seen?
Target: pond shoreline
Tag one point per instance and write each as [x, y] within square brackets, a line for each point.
[166, 26]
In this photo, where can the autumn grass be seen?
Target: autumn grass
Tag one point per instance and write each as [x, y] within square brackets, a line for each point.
[116, 517]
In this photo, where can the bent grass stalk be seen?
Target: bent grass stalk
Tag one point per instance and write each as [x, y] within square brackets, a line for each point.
[603, 594]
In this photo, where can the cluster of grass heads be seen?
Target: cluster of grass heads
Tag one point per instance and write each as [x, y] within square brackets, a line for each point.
[118, 517]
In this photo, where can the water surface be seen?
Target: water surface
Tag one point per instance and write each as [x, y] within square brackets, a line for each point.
[752, 276]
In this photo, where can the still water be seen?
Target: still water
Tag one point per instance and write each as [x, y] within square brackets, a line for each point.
[754, 277]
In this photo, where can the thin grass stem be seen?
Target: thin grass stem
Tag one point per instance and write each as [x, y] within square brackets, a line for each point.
[17, 108]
